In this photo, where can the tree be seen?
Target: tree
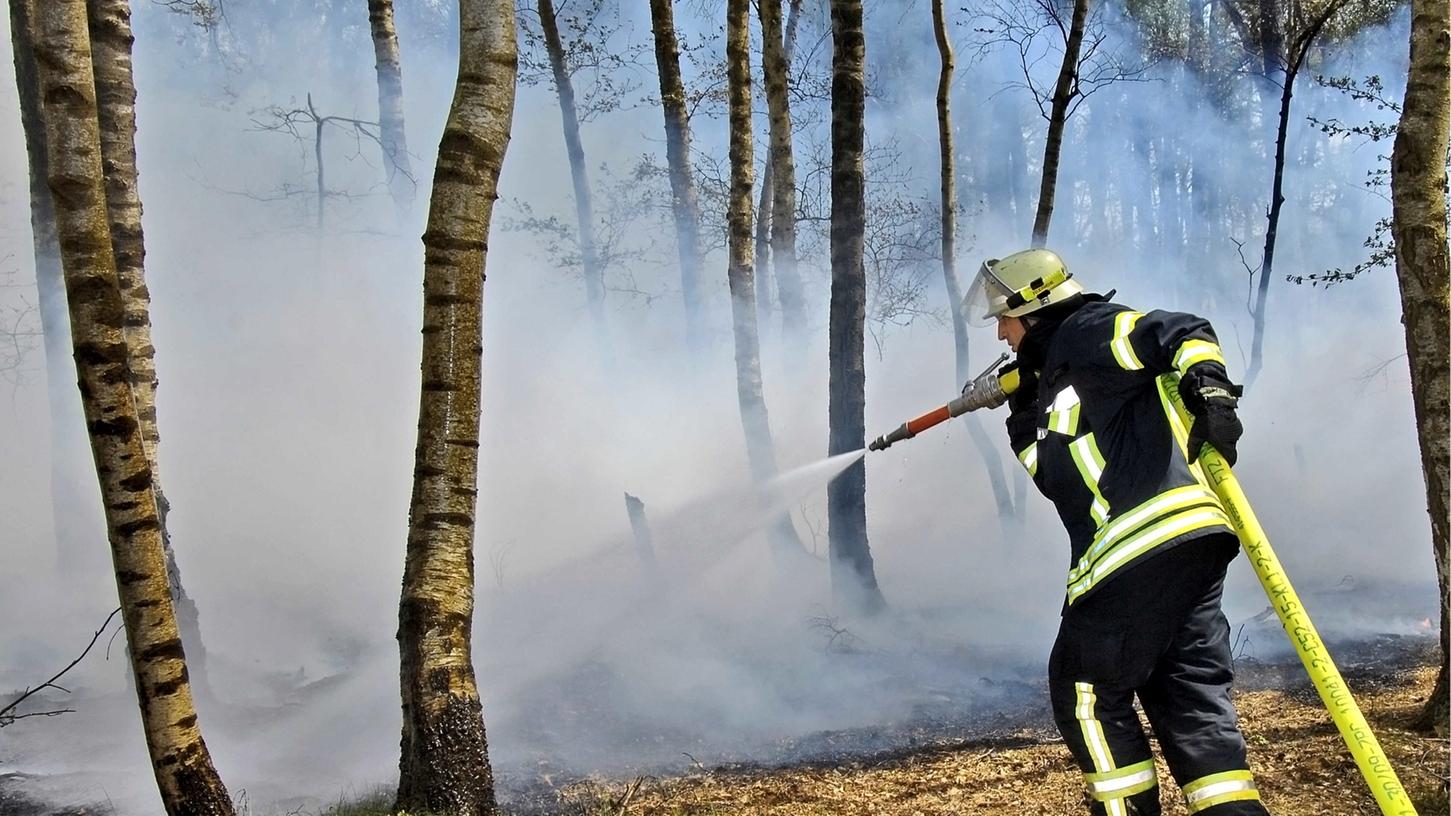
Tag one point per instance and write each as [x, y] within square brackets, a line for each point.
[1418, 203]
[594, 278]
[392, 136]
[749, 391]
[111, 38]
[1064, 92]
[1298, 49]
[980, 440]
[444, 763]
[294, 122]
[779, 180]
[685, 206]
[853, 576]
[67, 460]
[1034, 30]
[188, 782]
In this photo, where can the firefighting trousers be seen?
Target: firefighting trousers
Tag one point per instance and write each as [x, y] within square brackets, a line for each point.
[1156, 632]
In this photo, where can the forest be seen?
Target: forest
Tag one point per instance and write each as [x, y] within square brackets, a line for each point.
[592, 526]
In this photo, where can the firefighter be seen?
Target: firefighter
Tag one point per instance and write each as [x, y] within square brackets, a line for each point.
[1096, 425]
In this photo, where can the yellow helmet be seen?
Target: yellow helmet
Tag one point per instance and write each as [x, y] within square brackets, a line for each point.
[1020, 284]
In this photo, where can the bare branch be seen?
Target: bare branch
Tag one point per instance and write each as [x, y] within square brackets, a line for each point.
[9, 715]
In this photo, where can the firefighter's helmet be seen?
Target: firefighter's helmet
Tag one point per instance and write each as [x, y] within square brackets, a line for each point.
[1018, 285]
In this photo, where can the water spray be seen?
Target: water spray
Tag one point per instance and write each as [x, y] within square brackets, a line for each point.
[987, 390]
[991, 389]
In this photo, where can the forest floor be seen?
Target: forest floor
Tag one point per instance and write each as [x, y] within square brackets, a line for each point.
[1013, 762]
[1021, 767]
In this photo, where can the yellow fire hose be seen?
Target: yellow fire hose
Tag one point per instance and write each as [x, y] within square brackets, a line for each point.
[1385, 786]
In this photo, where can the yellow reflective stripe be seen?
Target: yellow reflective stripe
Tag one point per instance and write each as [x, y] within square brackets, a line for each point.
[1145, 540]
[1154, 509]
[1216, 789]
[1063, 413]
[1126, 781]
[1093, 737]
[1197, 785]
[1123, 350]
[1029, 458]
[1089, 460]
[1196, 351]
[1232, 796]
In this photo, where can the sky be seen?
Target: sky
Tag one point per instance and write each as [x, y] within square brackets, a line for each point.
[288, 362]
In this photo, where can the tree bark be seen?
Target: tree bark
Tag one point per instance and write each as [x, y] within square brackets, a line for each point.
[444, 767]
[685, 205]
[187, 780]
[948, 171]
[1418, 200]
[760, 451]
[74, 533]
[1298, 50]
[1063, 93]
[853, 575]
[111, 40]
[391, 132]
[776, 50]
[594, 278]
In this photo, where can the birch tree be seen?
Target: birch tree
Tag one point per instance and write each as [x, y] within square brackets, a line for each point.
[749, 390]
[111, 38]
[187, 780]
[1418, 203]
[391, 133]
[444, 764]
[853, 575]
[685, 205]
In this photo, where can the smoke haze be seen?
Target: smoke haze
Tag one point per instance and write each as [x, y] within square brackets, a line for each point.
[288, 361]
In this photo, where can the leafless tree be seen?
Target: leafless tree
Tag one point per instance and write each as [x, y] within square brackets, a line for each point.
[1299, 48]
[306, 125]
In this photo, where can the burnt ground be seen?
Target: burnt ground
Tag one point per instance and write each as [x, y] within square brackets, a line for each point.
[1018, 764]
[1006, 760]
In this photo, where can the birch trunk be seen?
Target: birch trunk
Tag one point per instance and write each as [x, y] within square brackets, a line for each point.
[111, 40]
[1418, 199]
[391, 132]
[75, 533]
[594, 278]
[685, 206]
[188, 782]
[948, 169]
[853, 576]
[1063, 93]
[444, 766]
[776, 50]
[749, 390]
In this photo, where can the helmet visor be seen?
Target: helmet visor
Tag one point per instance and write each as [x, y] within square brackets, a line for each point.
[986, 298]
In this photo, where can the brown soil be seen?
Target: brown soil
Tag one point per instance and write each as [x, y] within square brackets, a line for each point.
[1300, 762]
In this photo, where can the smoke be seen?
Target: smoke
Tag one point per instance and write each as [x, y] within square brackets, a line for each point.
[288, 363]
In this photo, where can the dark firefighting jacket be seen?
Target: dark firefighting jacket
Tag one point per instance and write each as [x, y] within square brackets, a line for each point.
[1107, 445]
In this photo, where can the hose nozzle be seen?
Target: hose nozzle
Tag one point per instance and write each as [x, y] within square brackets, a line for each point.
[988, 390]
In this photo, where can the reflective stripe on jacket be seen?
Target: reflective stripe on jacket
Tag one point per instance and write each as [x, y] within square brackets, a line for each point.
[1109, 449]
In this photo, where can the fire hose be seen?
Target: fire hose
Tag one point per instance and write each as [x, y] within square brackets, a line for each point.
[990, 390]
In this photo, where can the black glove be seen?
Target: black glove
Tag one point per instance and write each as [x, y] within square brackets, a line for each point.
[1212, 400]
[1022, 406]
